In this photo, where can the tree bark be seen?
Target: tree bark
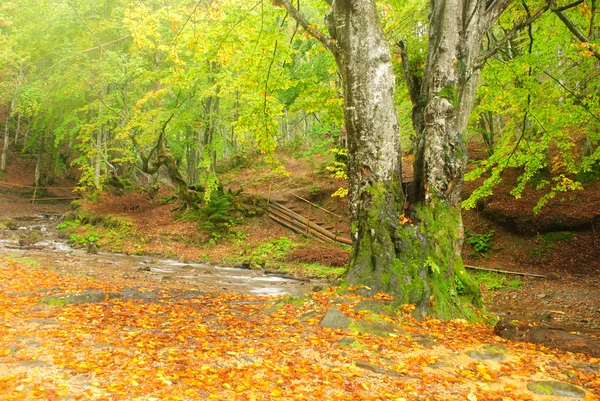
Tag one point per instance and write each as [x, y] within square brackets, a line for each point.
[408, 245]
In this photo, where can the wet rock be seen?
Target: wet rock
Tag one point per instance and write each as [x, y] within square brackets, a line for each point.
[488, 353]
[134, 293]
[379, 328]
[24, 242]
[33, 363]
[92, 249]
[376, 369]
[335, 319]
[78, 252]
[34, 236]
[11, 225]
[79, 298]
[13, 348]
[555, 388]
[425, 341]
[44, 322]
[348, 342]
[143, 269]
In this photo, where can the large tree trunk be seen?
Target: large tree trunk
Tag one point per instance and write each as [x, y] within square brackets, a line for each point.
[407, 245]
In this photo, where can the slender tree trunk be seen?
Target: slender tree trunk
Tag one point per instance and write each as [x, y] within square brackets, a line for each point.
[38, 164]
[98, 157]
[18, 129]
[6, 135]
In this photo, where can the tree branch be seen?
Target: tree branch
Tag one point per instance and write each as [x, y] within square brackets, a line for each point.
[493, 11]
[563, 8]
[86, 25]
[82, 52]
[414, 87]
[575, 31]
[511, 34]
[308, 27]
[591, 28]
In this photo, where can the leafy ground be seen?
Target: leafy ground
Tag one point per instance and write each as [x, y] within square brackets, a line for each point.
[202, 345]
[208, 341]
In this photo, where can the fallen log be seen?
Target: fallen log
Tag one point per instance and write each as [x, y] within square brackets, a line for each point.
[504, 271]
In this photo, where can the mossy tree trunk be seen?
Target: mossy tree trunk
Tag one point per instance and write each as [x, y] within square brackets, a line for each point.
[407, 244]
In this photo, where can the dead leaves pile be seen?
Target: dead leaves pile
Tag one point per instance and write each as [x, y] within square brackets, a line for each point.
[234, 347]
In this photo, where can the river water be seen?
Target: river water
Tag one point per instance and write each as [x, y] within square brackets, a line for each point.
[55, 250]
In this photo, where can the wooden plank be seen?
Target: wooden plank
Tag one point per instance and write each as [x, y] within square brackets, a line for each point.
[288, 215]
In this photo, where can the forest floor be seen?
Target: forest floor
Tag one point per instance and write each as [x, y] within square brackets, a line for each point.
[224, 345]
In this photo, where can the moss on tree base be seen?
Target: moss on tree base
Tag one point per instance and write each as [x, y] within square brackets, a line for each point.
[417, 263]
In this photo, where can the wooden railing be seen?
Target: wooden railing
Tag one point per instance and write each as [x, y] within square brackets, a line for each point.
[304, 225]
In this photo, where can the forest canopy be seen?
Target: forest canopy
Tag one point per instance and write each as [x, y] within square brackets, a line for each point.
[99, 84]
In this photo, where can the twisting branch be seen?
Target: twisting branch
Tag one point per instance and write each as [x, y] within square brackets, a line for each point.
[511, 34]
[308, 27]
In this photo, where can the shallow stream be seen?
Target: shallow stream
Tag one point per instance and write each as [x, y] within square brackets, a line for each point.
[15, 239]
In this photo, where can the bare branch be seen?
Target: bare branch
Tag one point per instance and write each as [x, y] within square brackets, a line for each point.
[511, 34]
[308, 27]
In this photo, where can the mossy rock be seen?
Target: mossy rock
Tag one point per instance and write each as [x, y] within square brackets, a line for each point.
[11, 225]
[379, 327]
[34, 236]
[378, 307]
[353, 343]
[555, 388]
[71, 216]
[296, 300]
[335, 319]
[79, 298]
[488, 353]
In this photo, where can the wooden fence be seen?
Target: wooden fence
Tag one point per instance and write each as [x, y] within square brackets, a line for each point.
[305, 225]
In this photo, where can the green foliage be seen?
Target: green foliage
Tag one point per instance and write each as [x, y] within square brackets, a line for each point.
[548, 241]
[480, 242]
[216, 214]
[556, 236]
[276, 248]
[89, 237]
[539, 105]
[68, 225]
[493, 281]
[321, 271]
